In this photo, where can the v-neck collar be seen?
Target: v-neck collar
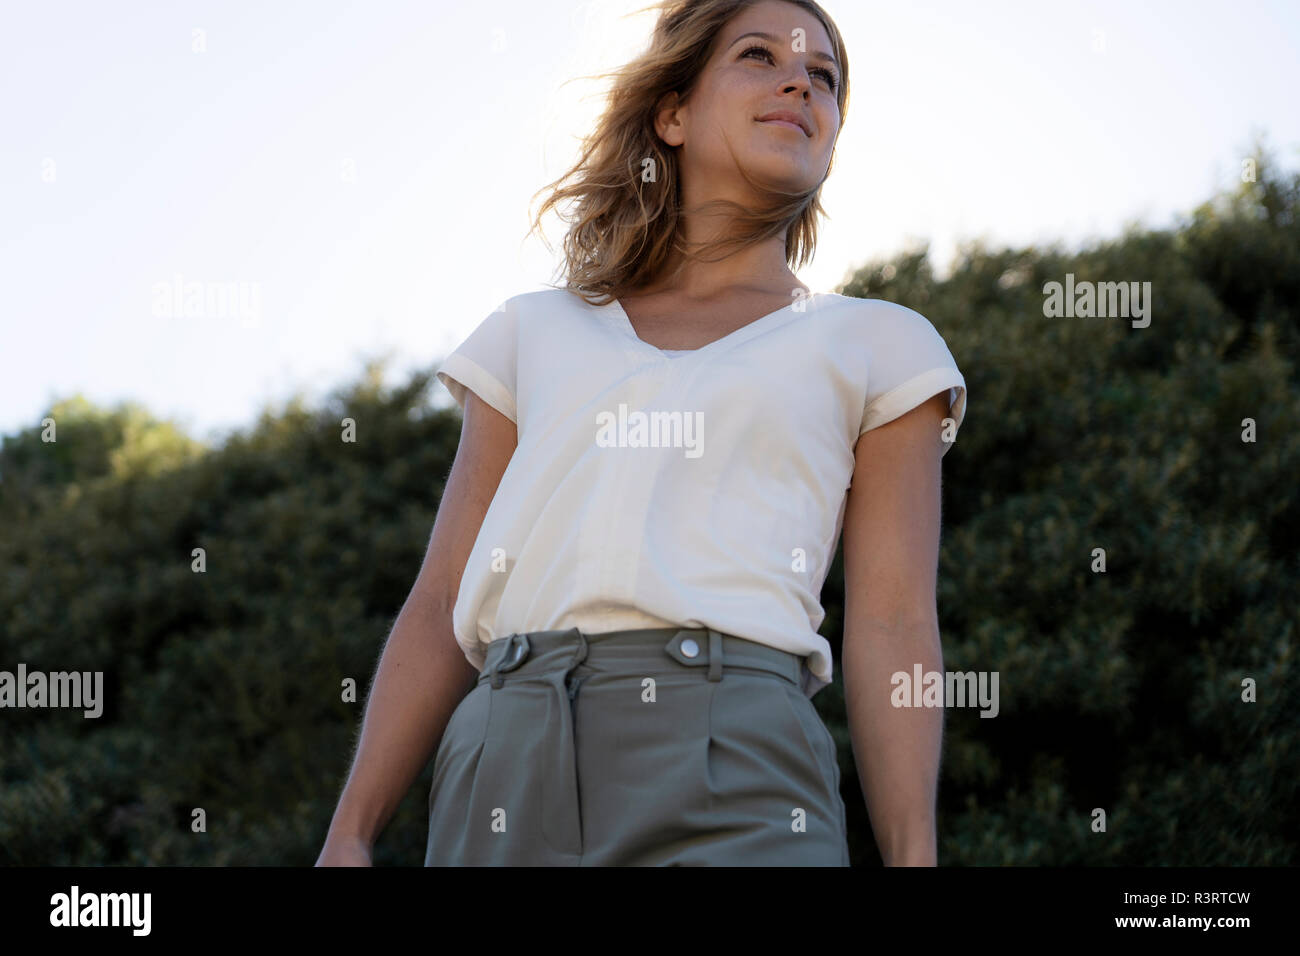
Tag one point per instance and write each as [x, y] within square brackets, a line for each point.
[731, 339]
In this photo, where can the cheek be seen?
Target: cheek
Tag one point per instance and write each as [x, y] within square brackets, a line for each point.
[830, 128]
[828, 113]
[739, 92]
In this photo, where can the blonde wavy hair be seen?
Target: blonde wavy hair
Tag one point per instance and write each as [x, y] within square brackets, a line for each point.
[624, 231]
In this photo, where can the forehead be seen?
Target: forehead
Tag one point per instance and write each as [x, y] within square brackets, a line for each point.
[778, 19]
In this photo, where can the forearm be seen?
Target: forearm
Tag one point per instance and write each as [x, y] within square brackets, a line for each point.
[896, 749]
[421, 679]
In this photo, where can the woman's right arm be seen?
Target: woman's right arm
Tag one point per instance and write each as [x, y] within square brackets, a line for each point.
[423, 674]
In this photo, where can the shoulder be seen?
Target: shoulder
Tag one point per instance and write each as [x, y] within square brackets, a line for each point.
[879, 312]
[878, 323]
[543, 301]
[507, 316]
[539, 310]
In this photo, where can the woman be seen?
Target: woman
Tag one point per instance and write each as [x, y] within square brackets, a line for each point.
[655, 465]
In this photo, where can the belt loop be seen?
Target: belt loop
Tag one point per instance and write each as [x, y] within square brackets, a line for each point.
[580, 654]
[715, 656]
[513, 654]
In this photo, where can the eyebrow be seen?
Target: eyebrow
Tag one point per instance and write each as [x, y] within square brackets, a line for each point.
[815, 54]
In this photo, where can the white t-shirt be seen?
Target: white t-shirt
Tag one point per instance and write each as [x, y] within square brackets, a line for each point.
[724, 510]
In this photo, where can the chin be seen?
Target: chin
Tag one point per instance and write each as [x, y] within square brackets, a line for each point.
[781, 173]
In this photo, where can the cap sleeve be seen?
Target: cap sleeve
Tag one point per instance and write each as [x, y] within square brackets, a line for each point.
[486, 362]
[909, 362]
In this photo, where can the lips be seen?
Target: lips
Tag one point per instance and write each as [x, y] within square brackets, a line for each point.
[785, 116]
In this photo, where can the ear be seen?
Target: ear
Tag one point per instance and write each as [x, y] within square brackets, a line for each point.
[668, 119]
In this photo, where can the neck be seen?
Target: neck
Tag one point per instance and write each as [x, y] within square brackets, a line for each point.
[760, 268]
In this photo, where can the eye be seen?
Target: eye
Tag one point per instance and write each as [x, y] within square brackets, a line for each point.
[831, 79]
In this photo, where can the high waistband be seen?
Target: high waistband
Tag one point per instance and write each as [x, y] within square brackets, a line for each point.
[537, 652]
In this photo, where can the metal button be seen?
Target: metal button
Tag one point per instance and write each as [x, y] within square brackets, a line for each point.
[690, 648]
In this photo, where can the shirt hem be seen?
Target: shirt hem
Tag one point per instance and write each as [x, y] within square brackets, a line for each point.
[912, 393]
[458, 373]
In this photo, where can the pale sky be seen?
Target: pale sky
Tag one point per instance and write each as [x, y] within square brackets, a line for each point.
[366, 169]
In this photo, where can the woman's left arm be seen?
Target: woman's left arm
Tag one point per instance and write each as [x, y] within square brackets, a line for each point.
[891, 625]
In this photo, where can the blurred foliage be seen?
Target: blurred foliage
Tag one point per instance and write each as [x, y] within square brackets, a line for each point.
[1119, 691]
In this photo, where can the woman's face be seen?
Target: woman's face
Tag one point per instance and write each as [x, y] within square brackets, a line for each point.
[747, 77]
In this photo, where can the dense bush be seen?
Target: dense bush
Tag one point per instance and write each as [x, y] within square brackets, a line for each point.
[1119, 690]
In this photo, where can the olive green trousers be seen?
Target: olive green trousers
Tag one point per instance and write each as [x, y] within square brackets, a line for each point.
[653, 747]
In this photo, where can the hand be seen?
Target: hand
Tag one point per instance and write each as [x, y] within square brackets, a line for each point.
[345, 851]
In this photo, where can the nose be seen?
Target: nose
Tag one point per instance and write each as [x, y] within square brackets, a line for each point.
[801, 83]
